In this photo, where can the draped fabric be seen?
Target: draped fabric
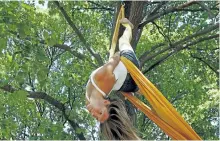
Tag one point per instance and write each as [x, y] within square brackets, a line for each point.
[162, 113]
[115, 34]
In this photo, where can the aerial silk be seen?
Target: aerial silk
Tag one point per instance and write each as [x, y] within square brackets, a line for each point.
[162, 113]
[115, 34]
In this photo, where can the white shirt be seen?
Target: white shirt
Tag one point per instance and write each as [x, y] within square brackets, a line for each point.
[120, 73]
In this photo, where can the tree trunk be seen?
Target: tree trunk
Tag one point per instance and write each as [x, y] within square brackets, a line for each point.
[134, 12]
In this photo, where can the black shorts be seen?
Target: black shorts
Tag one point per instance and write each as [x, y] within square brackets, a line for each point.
[129, 85]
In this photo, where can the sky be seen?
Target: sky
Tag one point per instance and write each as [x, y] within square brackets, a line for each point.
[41, 6]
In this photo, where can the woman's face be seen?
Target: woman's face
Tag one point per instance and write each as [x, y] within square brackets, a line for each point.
[99, 110]
[104, 115]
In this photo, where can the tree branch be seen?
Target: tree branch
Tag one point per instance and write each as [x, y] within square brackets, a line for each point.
[79, 34]
[95, 8]
[37, 95]
[206, 63]
[167, 11]
[160, 31]
[74, 53]
[101, 6]
[64, 47]
[136, 17]
[196, 10]
[138, 36]
[175, 50]
[50, 100]
[158, 7]
[148, 52]
[178, 97]
[160, 4]
[190, 37]
[8, 88]
[162, 59]
[211, 15]
[67, 48]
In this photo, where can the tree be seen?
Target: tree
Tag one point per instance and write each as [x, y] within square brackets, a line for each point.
[47, 55]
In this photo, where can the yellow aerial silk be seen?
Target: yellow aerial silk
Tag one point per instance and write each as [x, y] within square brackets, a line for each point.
[162, 113]
[115, 34]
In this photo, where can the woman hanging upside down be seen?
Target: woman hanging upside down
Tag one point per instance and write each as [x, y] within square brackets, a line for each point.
[115, 123]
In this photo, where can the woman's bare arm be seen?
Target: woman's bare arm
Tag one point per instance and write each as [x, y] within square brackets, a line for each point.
[108, 68]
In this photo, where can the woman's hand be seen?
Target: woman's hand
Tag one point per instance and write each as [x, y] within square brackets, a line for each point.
[117, 54]
[115, 57]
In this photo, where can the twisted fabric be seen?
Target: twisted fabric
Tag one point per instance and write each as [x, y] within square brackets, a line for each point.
[162, 113]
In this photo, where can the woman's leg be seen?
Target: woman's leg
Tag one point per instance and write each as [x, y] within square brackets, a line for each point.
[124, 40]
[127, 51]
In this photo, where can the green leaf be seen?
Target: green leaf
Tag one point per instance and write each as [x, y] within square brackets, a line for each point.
[79, 130]
[26, 6]
[21, 30]
[22, 94]
[45, 34]
[3, 43]
[51, 41]
[9, 57]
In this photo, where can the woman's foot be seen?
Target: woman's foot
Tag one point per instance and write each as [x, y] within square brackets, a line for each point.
[125, 22]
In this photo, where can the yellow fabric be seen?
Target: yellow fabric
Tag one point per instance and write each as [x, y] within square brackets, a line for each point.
[164, 115]
[151, 115]
[115, 34]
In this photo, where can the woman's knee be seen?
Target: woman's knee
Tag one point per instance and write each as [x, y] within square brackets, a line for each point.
[123, 40]
[125, 46]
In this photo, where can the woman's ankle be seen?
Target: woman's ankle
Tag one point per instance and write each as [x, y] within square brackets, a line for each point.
[126, 23]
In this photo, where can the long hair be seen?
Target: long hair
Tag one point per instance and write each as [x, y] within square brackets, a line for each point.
[118, 126]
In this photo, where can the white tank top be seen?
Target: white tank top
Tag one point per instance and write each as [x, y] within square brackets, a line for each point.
[120, 73]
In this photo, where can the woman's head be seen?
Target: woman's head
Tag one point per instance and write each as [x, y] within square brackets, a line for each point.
[118, 126]
[98, 109]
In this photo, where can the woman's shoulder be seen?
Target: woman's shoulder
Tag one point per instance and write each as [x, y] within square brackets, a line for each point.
[102, 73]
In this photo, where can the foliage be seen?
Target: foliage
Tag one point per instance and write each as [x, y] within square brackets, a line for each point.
[42, 80]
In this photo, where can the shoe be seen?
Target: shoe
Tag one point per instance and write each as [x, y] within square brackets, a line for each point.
[125, 21]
